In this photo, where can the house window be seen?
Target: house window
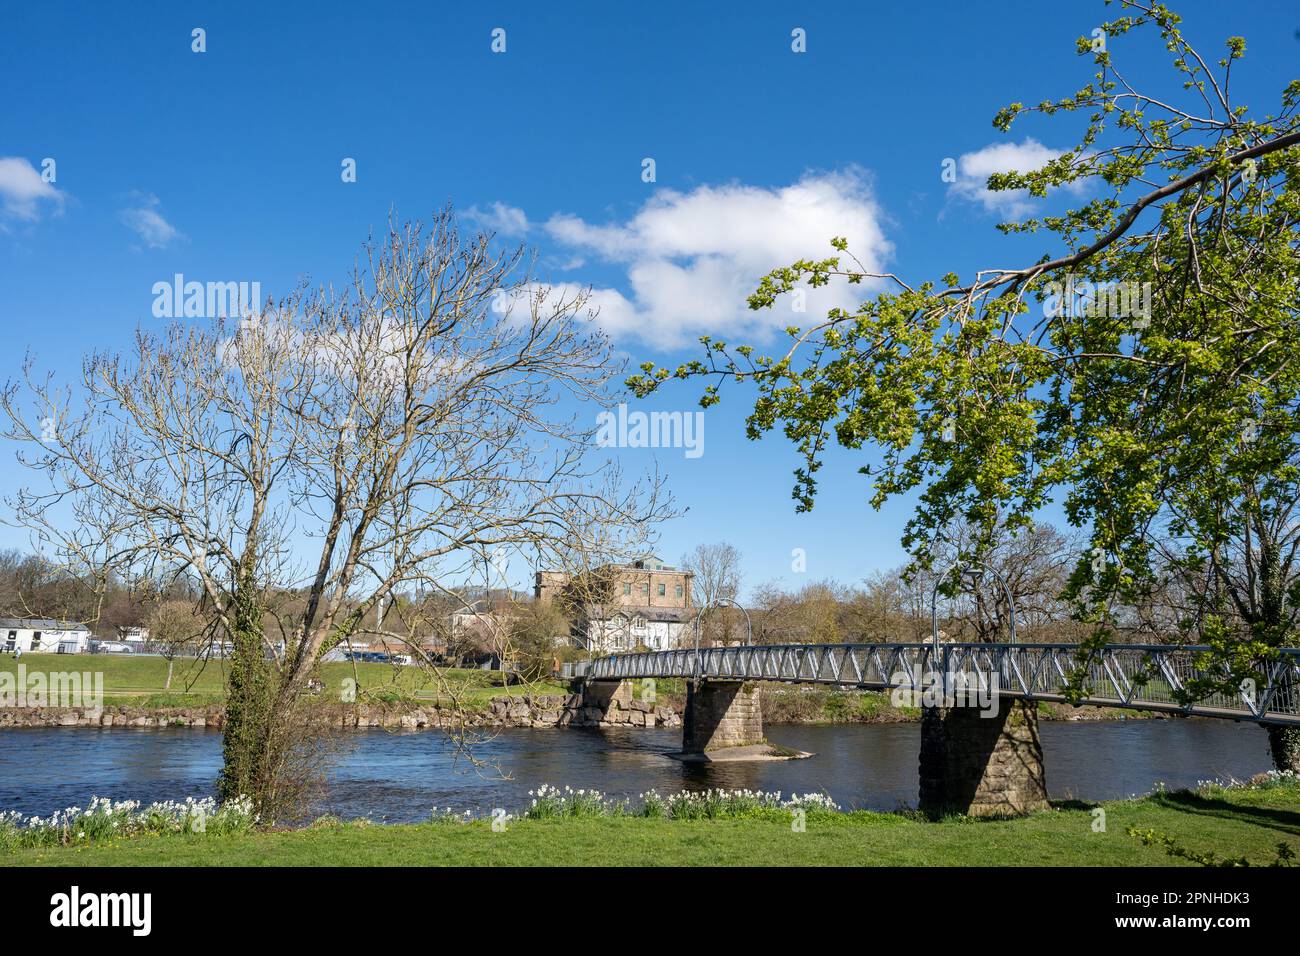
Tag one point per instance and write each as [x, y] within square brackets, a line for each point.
[36, 640]
[638, 623]
[621, 626]
[663, 589]
[645, 589]
[679, 590]
[627, 588]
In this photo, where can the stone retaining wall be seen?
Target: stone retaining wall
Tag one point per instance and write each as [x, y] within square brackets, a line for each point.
[529, 711]
[200, 717]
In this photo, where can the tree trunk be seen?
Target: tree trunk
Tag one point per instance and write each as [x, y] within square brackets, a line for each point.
[167, 685]
[248, 731]
[1284, 743]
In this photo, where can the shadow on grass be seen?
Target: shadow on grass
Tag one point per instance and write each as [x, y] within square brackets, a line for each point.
[1284, 821]
[1184, 801]
[1084, 805]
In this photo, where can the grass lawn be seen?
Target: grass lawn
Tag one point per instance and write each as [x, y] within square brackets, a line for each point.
[1230, 823]
[138, 681]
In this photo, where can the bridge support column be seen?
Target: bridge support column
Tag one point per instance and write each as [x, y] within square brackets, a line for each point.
[602, 699]
[721, 714]
[982, 763]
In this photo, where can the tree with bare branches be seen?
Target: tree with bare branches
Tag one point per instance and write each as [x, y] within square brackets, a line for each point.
[419, 430]
[716, 583]
[175, 627]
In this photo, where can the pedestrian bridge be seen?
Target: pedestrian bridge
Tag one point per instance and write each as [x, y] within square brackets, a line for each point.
[1136, 676]
[980, 751]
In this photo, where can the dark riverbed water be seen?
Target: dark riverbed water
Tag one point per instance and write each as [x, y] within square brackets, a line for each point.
[401, 777]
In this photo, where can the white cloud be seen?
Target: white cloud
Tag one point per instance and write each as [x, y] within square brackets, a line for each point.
[609, 306]
[693, 258]
[974, 170]
[505, 221]
[22, 190]
[143, 217]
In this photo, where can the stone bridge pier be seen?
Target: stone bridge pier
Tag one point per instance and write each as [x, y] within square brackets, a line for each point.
[721, 714]
[982, 762]
[599, 697]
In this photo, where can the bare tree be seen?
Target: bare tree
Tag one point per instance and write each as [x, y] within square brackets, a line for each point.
[717, 573]
[1238, 588]
[338, 447]
[537, 630]
[820, 612]
[174, 627]
[775, 614]
[31, 585]
[877, 610]
[1033, 563]
[716, 583]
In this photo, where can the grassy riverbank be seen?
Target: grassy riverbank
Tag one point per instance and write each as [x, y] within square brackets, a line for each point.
[139, 681]
[1245, 822]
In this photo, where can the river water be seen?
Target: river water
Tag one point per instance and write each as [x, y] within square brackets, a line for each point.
[401, 777]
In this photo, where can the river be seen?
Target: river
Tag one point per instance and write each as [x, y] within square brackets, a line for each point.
[401, 777]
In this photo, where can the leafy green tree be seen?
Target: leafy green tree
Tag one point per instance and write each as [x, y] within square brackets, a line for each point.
[1143, 372]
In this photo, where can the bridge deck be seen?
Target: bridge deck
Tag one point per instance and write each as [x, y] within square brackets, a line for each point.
[1137, 676]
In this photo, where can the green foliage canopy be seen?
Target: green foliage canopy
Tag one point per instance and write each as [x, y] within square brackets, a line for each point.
[994, 396]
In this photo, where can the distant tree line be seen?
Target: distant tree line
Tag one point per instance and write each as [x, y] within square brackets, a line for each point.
[1038, 566]
[31, 586]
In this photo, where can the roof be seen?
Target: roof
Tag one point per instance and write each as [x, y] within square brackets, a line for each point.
[653, 563]
[640, 565]
[42, 624]
[673, 615]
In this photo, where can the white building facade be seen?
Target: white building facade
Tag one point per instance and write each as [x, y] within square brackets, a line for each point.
[625, 628]
[35, 635]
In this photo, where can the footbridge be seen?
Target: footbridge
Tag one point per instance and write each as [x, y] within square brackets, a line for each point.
[980, 750]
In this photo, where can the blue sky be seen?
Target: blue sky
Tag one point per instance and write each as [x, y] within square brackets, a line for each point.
[225, 165]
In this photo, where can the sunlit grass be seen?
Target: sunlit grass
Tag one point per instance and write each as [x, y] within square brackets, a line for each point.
[1230, 822]
[138, 681]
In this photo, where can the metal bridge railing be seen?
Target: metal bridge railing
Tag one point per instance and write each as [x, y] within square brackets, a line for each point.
[1138, 676]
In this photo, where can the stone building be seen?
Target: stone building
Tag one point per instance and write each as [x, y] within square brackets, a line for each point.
[619, 607]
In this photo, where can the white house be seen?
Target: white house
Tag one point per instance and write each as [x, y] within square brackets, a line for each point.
[621, 628]
[43, 635]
